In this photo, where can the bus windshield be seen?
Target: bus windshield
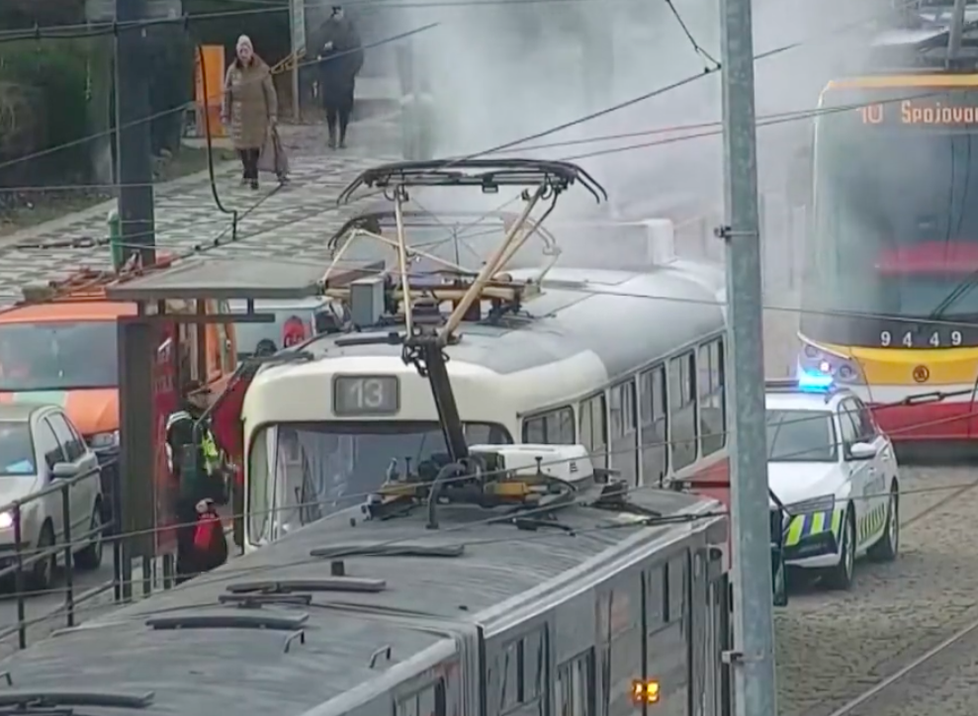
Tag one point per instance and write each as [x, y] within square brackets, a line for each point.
[299, 473]
[895, 213]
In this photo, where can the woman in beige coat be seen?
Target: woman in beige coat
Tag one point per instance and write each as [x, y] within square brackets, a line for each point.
[250, 107]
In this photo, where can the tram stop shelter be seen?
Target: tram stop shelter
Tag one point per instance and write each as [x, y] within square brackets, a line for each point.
[200, 282]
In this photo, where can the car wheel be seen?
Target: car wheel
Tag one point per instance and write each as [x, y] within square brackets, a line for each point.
[840, 576]
[41, 575]
[91, 556]
[887, 547]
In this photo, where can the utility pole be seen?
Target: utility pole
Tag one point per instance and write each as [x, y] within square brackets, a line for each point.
[955, 32]
[753, 658]
[297, 24]
[134, 147]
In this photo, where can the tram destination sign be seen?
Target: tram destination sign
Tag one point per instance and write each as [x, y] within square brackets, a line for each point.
[364, 395]
[916, 108]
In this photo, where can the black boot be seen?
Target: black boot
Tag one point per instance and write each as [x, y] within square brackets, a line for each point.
[331, 142]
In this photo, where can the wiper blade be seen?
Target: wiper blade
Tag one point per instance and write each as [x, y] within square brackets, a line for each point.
[963, 288]
[27, 699]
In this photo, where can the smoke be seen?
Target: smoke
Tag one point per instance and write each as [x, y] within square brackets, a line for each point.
[500, 72]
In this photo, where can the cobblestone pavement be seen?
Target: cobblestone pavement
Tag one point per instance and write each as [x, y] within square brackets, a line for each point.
[832, 645]
[295, 220]
[944, 685]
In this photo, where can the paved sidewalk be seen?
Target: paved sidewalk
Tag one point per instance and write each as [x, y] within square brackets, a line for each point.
[295, 220]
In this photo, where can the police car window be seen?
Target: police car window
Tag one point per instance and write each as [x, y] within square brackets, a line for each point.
[863, 418]
[801, 436]
[850, 432]
[17, 449]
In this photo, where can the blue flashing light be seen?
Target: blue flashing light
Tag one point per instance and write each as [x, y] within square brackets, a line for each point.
[814, 382]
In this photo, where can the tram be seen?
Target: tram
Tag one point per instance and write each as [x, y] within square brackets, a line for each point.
[888, 306]
[613, 607]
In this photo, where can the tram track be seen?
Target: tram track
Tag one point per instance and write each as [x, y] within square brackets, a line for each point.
[834, 648]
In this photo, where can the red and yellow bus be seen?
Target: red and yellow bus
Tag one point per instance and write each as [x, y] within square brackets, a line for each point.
[890, 301]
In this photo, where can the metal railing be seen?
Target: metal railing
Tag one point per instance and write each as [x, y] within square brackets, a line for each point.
[27, 554]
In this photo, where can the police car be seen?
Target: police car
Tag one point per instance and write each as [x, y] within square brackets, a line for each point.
[834, 474]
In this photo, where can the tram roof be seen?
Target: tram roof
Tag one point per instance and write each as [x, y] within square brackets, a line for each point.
[626, 318]
[211, 668]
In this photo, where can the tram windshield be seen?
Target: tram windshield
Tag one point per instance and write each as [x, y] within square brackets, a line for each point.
[895, 212]
[800, 436]
[301, 472]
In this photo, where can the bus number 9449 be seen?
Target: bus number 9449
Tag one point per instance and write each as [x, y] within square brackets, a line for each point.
[909, 339]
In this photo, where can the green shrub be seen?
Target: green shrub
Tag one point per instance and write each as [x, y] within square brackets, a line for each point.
[56, 74]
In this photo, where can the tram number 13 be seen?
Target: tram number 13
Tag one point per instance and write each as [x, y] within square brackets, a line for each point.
[906, 340]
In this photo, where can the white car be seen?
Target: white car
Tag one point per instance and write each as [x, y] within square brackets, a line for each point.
[39, 446]
[836, 475]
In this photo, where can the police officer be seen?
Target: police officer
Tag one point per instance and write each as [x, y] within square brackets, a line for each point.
[200, 481]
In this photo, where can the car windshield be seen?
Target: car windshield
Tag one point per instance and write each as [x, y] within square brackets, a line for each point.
[800, 436]
[16, 449]
[301, 472]
[58, 356]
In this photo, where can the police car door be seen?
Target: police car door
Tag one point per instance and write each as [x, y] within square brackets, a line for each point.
[877, 489]
[857, 470]
[866, 475]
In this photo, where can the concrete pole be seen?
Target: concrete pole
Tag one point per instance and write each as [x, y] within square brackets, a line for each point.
[135, 170]
[753, 657]
[955, 32]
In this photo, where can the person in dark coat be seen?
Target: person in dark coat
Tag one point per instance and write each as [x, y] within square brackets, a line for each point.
[199, 490]
[340, 59]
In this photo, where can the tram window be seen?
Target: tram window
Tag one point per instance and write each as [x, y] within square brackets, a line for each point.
[594, 429]
[534, 662]
[655, 602]
[574, 695]
[653, 417]
[553, 428]
[675, 593]
[682, 410]
[712, 400]
[623, 431]
[511, 677]
[429, 701]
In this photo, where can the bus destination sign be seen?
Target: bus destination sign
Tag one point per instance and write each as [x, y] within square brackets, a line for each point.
[920, 112]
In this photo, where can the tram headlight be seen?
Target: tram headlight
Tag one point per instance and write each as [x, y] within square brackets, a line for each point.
[842, 370]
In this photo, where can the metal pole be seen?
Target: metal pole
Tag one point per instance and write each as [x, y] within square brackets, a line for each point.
[753, 657]
[955, 32]
[135, 169]
[297, 25]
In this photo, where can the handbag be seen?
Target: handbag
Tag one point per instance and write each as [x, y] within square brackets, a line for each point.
[273, 158]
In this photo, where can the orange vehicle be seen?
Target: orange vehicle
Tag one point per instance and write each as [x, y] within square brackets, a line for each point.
[64, 351]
